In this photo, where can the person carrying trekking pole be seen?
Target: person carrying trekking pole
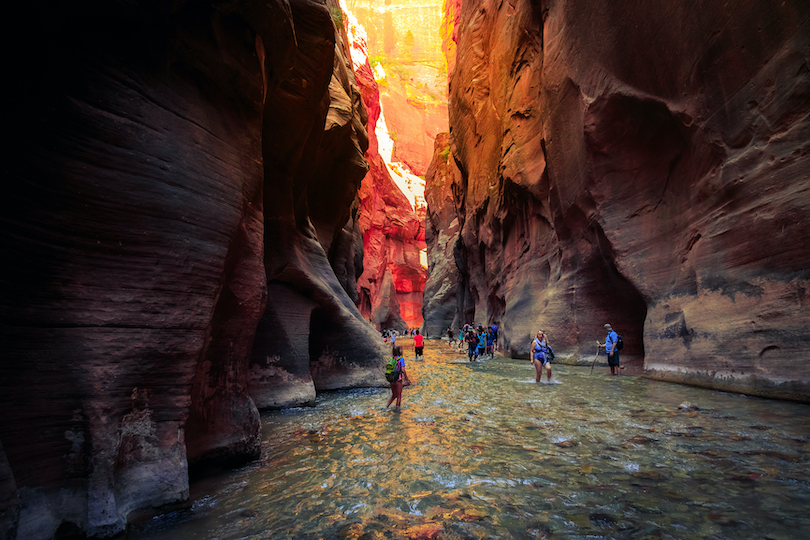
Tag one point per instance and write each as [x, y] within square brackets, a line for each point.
[611, 348]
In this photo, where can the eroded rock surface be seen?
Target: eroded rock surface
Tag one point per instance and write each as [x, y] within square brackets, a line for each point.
[312, 336]
[181, 183]
[445, 291]
[643, 165]
[390, 287]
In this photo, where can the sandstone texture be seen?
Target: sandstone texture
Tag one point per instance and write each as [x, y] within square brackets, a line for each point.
[643, 165]
[392, 281]
[179, 236]
[414, 124]
[445, 296]
[404, 39]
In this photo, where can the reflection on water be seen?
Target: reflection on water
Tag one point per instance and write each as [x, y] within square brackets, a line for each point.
[481, 451]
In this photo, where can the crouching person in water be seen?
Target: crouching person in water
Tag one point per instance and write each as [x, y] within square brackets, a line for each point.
[540, 356]
[397, 383]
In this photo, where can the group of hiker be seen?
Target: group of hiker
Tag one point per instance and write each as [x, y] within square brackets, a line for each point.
[481, 341]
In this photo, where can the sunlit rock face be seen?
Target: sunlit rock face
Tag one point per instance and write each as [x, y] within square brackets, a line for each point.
[179, 177]
[393, 278]
[414, 123]
[404, 40]
[643, 165]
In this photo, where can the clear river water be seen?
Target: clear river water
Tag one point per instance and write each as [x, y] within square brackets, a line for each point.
[479, 450]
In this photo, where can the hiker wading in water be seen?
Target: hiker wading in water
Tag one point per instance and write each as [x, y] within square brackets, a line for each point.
[610, 345]
[540, 355]
[402, 375]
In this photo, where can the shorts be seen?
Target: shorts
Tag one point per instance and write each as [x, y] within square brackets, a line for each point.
[538, 357]
[614, 360]
[419, 351]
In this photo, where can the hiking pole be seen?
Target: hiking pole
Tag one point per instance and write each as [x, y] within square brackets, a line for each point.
[594, 359]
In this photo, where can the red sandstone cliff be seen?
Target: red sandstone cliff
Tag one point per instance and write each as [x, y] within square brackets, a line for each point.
[391, 284]
[404, 37]
[182, 181]
[414, 124]
[643, 165]
[445, 295]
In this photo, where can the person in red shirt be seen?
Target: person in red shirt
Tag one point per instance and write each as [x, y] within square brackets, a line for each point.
[419, 345]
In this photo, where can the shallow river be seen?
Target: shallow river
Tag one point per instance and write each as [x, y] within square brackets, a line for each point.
[481, 451]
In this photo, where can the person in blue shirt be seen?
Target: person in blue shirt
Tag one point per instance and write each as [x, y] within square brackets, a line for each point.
[491, 343]
[482, 343]
[610, 348]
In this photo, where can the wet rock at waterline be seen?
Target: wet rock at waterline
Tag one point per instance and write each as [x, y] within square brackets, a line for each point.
[180, 176]
[639, 166]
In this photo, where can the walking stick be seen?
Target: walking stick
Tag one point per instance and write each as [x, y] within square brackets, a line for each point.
[594, 359]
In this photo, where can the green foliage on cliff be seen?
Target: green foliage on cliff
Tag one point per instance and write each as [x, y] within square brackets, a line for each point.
[337, 17]
[421, 82]
[445, 154]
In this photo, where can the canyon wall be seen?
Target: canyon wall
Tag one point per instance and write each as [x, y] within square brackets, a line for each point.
[177, 245]
[404, 38]
[643, 165]
[389, 289]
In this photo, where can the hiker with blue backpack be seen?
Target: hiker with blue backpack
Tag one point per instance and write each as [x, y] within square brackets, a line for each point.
[395, 374]
[613, 344]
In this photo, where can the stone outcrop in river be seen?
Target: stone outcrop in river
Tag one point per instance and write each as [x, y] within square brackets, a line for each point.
[178, 246]
[638, 164]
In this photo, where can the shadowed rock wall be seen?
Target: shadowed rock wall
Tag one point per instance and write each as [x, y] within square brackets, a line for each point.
[643, 165]
[312, 336]
[179, 178]
[445, 291]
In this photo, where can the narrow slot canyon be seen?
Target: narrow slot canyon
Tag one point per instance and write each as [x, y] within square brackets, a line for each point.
[218, 214]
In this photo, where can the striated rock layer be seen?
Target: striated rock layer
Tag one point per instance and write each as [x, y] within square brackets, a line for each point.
[391, 284]
[643, 165]
[182, 180]
[445, 294]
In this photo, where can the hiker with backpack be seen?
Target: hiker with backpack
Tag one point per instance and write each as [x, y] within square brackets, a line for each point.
[395, 374]
[541, 355]
[472, 344]
[613, 344]
[491, 343]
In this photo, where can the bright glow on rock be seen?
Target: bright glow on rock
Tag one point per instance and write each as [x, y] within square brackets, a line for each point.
[357, 37]
[411, 185]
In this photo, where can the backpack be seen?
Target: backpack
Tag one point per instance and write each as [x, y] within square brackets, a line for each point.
[619, 342]
[392, 370]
